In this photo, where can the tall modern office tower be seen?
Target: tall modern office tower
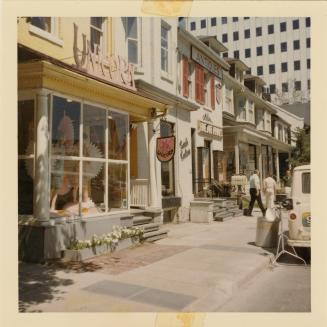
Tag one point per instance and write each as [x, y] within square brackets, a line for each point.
[275, 48]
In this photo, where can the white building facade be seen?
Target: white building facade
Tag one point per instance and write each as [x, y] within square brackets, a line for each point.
[275, 48]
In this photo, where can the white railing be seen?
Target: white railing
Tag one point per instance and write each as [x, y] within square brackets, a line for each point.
[139, 192]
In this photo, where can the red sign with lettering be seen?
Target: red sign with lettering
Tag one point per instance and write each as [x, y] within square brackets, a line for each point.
[165, 148]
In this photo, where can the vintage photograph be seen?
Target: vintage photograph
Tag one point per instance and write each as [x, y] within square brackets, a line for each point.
[164, 164]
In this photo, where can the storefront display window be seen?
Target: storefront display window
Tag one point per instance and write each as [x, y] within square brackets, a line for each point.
[88, 178]
[265, 166]
[252, 164]
[25, 156]
[117, 186]
[65, 126]
[243, 154]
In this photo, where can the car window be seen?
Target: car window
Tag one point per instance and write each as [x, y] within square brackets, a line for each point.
[306, 183]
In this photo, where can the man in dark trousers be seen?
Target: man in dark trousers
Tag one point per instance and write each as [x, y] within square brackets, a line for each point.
[255, 193]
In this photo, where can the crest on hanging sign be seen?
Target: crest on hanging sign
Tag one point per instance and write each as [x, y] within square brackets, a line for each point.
[165, 148]
[219, 91]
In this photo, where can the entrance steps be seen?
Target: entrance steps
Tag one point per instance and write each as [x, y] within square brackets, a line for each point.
[150, 221]
[226, 209]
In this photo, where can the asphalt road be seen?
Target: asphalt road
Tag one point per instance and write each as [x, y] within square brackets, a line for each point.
[283, 289]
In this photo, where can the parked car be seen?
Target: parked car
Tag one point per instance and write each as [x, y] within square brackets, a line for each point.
[299, 214]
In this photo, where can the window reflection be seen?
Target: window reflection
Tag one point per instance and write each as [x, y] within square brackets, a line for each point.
[117, 188]
[94, 126]
[93, 189]
[65, 127]
[64, 186]
[117, 142]
[25, 187]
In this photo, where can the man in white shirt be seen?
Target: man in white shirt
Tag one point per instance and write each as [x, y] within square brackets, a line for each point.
[269, 188]
[255, 193]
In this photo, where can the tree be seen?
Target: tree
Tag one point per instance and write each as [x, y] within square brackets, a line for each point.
[300, 153]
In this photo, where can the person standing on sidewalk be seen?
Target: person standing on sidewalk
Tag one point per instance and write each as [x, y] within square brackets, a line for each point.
[269, 188]
[255, 193]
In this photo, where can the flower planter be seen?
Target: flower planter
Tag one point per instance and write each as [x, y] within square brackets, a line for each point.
[83, 254]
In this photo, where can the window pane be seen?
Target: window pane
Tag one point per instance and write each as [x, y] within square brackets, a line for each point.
[117, 134]
[132, 27]
[93, 189]
[25, 186]
[117, 188]
[65, 127]
[43, 23]
[26, 127]
[95, 38]
[64, 187]
[306, 183]
[164, 33]
[167, 178]
[97, 22]
[132, 51]
[94, 127]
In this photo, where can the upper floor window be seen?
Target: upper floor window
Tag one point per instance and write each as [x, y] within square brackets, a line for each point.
[246, 17]
[203, 23]
[308, 84]
[132, 40]
[236, 54]
[284, 67]
[199, 84]
[247, 33]
[224, 20]
[297, 85]
[164, 47]
[283, 47]
[259, 51]
[213, 21]
[248, 71]
[193, 26]
[297, 65]
[271, 48]
[96, 32]
[247, 53]
[272, 69]
[225, 55]
[308, 22]
[225, 37]
[44, 23]
[270, 29]
[259, 70]
[296, 24]
[228, 99]
[258, 31]
[308, 63]
[283, 27]
[272, 88]
[284, 87]
[235, 36]
[308, 42]
[235, 19]
[296, 44]
[46, 28]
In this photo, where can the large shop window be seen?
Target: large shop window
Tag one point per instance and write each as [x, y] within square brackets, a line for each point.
[167, 168]
[204, 166]
[25, 157]
[88, 159]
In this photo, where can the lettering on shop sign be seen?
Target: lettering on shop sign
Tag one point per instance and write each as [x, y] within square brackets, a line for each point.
[165, 148]
[207, 63]
[114, 69]
[185, 151]
[206, 117]
[209, 129]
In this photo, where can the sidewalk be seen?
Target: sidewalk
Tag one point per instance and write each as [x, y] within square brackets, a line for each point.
[197, 268]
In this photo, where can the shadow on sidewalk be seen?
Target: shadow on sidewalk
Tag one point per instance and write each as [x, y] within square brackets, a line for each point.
[38, 283]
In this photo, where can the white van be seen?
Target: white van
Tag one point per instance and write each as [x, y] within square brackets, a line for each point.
[299, 215]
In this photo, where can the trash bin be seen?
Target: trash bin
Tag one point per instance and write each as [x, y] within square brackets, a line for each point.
[267, 232]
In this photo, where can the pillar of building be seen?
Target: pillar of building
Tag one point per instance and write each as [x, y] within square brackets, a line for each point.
[260, 161]
[42, 178]
[237, 156]
[276, 130]
[277, 167]
[153, 178]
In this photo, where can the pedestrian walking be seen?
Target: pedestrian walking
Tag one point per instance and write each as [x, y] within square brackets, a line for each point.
[255, 193]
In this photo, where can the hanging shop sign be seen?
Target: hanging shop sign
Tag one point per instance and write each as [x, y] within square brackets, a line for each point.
[219, 91]
[207, 63]
[114, 69]
[165, 148]
[209, 129]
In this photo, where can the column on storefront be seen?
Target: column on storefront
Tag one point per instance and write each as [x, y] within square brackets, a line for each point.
[237, 155]
[277, 167]
[41, 181]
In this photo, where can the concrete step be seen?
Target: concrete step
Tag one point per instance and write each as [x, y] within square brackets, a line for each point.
[150, 227]
[141, 220]
[223, 215]
[154, 235]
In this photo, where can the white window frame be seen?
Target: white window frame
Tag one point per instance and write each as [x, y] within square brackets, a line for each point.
[166, 74]
[229, 99]
[81, 158]
[138, 41]
[52, 36]
[103, 31]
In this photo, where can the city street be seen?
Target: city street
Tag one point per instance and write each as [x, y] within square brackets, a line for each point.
[199, 267]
